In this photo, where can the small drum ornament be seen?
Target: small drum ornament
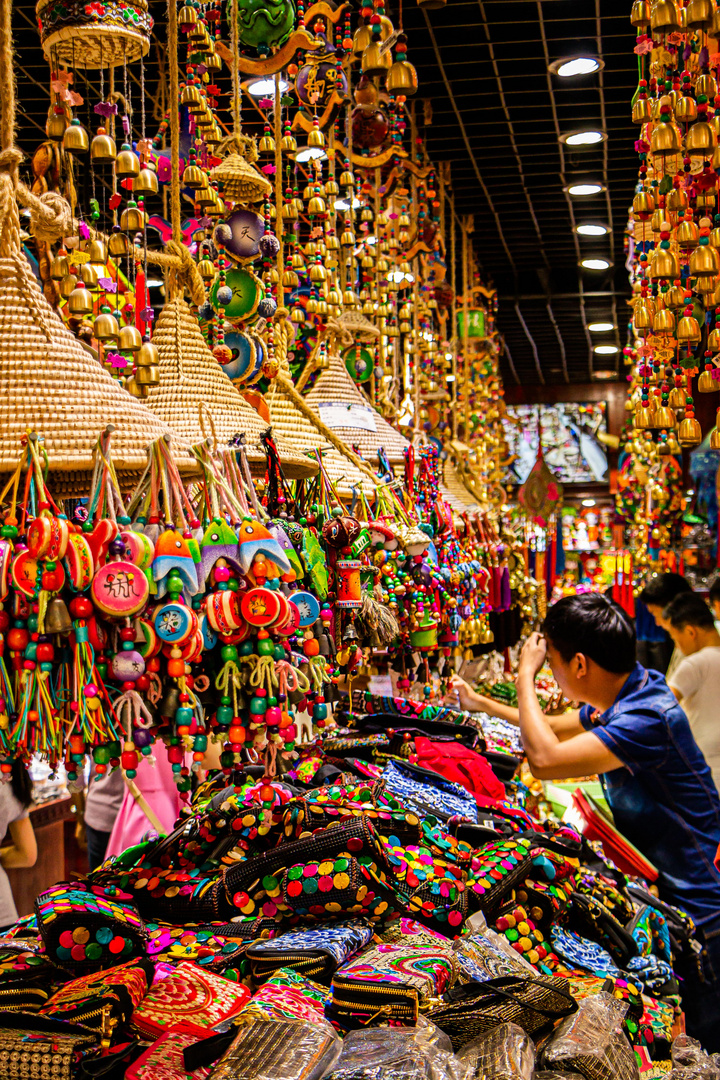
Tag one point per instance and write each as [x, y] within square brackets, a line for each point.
[175, 623]
[244, 292]
[424, 637]
[349, 587]
[140, 548]
[79, 563]
[223, 612]
[24, 572]
[120, 589]
[307, 605]
[246, 229]
[263, 607]
[128, 666]
[47, 538]
[291, 624]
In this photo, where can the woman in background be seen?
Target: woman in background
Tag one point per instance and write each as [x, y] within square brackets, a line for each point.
[15, 799]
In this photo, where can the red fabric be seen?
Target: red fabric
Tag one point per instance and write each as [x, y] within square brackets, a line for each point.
[461, 765]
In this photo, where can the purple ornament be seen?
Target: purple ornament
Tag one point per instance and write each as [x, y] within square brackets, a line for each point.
[246, 228]
[269, 245]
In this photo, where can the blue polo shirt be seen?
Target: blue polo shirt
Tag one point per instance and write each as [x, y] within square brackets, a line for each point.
[664, 799]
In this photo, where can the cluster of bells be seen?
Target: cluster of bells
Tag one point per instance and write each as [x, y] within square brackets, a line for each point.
[663, 17]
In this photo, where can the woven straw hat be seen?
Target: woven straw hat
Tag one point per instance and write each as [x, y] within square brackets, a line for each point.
[358, 324]
[335, 386]
[191, 379]
[49, 383]
[240, 181]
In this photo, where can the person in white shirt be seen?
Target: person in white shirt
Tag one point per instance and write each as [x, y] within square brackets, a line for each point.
[695, 681]
[714, 601]
[658, 592]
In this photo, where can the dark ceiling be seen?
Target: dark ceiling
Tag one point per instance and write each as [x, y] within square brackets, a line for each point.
[497, 114]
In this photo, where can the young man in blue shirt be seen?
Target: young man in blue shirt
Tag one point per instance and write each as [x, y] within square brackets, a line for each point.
[633, 733]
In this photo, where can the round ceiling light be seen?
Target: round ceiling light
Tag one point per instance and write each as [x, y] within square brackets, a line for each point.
[596, 264]
[590, 137]
[266, 87]
[592, 230]
[599, 327]
[580, 191]
[576, 65]
[606, 350]
[605, 374]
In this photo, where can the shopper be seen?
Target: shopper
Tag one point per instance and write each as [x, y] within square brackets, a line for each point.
[714, 601]
[635, 735]
[696, 680]
[150, 805]
[102, 805]
[15, 800]
[657, 594]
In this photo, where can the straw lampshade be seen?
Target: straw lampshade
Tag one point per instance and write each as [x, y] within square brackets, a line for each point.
[461, 498]
[238, 178]
[191, 379]
[50, 384]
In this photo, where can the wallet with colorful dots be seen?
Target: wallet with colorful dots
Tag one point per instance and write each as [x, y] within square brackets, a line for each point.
[88, 927]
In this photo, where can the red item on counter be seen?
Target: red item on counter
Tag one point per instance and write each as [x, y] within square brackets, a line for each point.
[461, 765]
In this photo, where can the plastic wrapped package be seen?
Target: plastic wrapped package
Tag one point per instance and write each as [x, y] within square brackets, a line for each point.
[691, 1062]
[279, 1050]
[592, 1041]
[505, 1053]
[418, 1053]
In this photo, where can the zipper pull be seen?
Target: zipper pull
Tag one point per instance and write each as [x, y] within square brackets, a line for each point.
[384, 1010]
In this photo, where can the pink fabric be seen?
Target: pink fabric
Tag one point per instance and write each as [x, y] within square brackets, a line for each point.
[157, 785]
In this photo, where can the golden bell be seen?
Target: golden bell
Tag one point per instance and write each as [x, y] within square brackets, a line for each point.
[118, 245]
[699, 14]
[132, 218]
[665, 141]
[675, 297]
[67, 285]
[362, 38]
[194, 178]
[707, 85]
[205, 196]
[75, 139]
[89, 275]
[640, 14]
[686, 110]
[701, 140]
[130, 339]
[644, 417]
[216, 209]
[59, 267]
[704, 261]
[688, 330]
[664, 322]
[664, 264]
[213, 62]
[665, 418]
[687, 234]
[213, 136]
[689, 433]
[102, 149]
[316, 205]
[289, 212]
[297, 315]
[57, 617]
[206, 269]
[148, 355]
[347, 238]
[665, 18]
[642, 111]
[266, 145]
[713, 341]
[146, 182]
[290, 280]
[97, 252]
[642, 318]
[133, 389]
[643, 203]
[715, 434]
[402, 77]
[346, 179]
[55, 124]
[331, 187]
[316, 137]
[192, 97]
[127, 163]
[714, 31]
[187, 16]
[148, 376]
[375, 61]
[288, 143]
[706, 384]
[105, 327]
[80, 301]
[676, 200]
[714, 239]
[677, 398]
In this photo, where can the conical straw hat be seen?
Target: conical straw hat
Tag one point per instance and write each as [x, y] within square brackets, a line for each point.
[190, 377]
[240, 181]
[49, 384]
[335, 387]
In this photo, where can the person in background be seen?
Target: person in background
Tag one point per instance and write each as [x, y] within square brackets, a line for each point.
[102, 805]
[695, 682]
[15, 799]
[150, 805]
[657, 594]
[714, 601]
[634, 735]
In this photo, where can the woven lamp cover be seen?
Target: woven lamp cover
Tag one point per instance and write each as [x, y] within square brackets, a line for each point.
[335, 387]
[293, 427]
[460, 498]
[190, 377]
[51, 385]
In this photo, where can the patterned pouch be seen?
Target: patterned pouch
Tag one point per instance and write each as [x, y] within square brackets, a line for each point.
[578, 952]
[428, 793]
[187, 998]
[592, 919]
[325, 805]
[39, 1048]
[315, 952]
[214, 947]
[164, 1060]
[495, 871]
[287, 1049]
[104, 999]
[650, 932]
[287, 996]
[331, 887]
[388, 982]
[85, 928]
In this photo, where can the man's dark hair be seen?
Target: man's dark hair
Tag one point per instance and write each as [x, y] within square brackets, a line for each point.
[595, 626]
[715, 590]
[689, 609]
[663, 588]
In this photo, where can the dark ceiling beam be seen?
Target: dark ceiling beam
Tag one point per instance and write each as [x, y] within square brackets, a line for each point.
[531, 339]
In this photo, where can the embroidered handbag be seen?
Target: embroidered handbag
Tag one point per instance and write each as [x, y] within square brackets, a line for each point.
[85, 928]
[104, 999]
[187, 998]
[495, 871]
[287, 996]
[316, 952]
[164, 1060]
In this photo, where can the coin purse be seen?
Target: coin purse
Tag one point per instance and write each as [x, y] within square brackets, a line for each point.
[495, 871]
[287, 996]
[187, 998]
[86, 928]
[316, 952]
[103, 999]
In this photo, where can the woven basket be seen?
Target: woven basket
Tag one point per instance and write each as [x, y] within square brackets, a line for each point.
[460, 497]
[51, 385]
[91, 41]
[335, 385]
[292, 426]
[190, 377]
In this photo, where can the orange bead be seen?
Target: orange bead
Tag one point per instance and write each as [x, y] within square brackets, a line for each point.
[237, 735]
[176, 668]
[311, 647]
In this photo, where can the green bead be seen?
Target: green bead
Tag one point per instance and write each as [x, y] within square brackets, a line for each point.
[229, 652]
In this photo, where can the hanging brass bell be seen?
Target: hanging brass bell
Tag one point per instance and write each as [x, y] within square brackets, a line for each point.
[689, 433]
[664, 322]
[146, 182]
[347, 179]
[665, 18]
[316, 205]
[316, 137]
[130, 339]
[644, 417]
[102, 149]
[194, 178]
[375, 60]
[191, 96]
[317, 272]
[148, 355]
[706, 384]
[665, 418]
[361, 40]
[206, 269]
[640, 14]
[289, 212]
[132, 218]
[216, 209]
[187, 16]
[677, 398]
[331, 187]
[266, 145]
[686, 110]
[347, 238]
[664, 264]
[205, 196]
[297, 315]
[97, 252]
[290, 280]
[80, 301]
[704, 261]
[57, 617]
[105, 327]
[677, 199]
[133, 389]
[89, 275]
[75, 139]
[402, 77]
[59, 267]
[118, 245]
[706, 85]
[643, 204]
[642, 111]
[713, 341]
[715, 434]
[675, 298]
[687, 235]
[701, 140]
[665, 141]
[288, 143]
[148, 376]
[213, 136]
[213, 62]
[714, 31]
[68, 283]
[699, 14]
[55, 125]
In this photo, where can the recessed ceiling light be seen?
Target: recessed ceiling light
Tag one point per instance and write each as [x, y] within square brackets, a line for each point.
[583, 138]
[579, 191]
[266, 87]
[599, 327]
[588, 502]
[592, 230]
[596, 264]
[344, 204]
[310, 153]
[604, 374]
[606, 350]
[577, 65]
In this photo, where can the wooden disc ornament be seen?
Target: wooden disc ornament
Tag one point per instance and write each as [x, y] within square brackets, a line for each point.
[120, 589]
[237, 297]
[359, 362]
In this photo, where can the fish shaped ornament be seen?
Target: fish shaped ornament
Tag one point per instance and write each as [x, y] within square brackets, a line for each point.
[173, 567]
[286, 544]
[261, 556]
[219, 541]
